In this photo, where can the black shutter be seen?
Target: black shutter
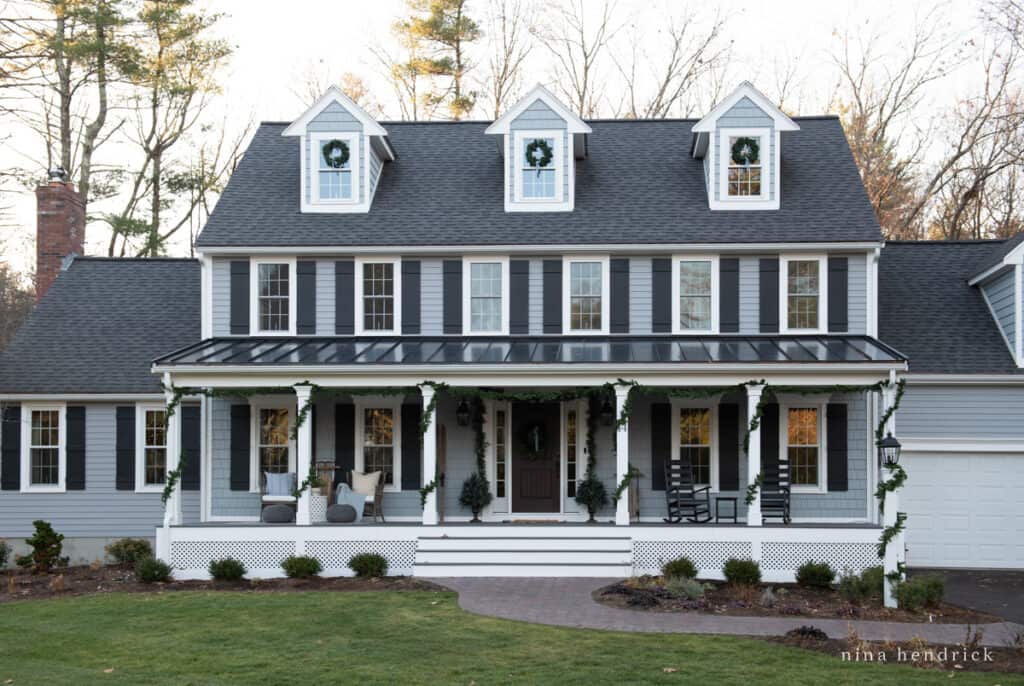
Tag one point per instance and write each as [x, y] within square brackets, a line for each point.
[552, 296]
[661, 295]
[728, 447]
[838, 294]
[240, 440]
[239, 299]
[411, 414]
[619, 288]
[410, 296]
[76, 448]
[769, 294]
[125, 447]
[10, 450]
[729, 295]
[519, 296]
[836, 436]
[191, 436]
[344, 440]
[344, 297]
[452, 296]
[661, 443]
[770, 438]
[305, 286]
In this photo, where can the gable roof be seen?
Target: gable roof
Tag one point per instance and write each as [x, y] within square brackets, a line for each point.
[573, 123]
[638, 185]
[746, 90]
[331, 95]
[1000, 254]
[101, 325]
[928, 312]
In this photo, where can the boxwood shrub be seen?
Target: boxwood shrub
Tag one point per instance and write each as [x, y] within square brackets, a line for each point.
[301, 566]
[127, 551]
[681, 567]
[368, 564]
[151, 570]
[813, 574]
[228, 569]
[739, 571]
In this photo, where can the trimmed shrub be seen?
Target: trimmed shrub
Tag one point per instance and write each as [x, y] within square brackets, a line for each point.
[813, 574]
[742, 571]
[368, 564]
[150, 570]
[857, 588]
[301, 566]
[920, 591]
[5, 553]
[47, 546]
[685, 587]
[127, 551]
[681, 567]
[228, 569]
[873, 579]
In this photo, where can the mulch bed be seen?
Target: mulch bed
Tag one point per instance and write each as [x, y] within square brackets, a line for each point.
[647, 593]
[77, 581]
[966, 656]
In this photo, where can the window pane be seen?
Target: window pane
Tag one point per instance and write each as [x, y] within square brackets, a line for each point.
[500, 453]
[745, 175]
[336, 185]
[379, 296]
[273, 297]
[802, 288]
[570, 453]
[802, 442]
[156, 466]
[45, 466]
[585, 295]
[273, 438]
[695, 441]
[378, 442]
[485, 296]
[538, 182]
[695, 294]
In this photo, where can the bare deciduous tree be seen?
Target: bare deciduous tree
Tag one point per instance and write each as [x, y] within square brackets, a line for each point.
[509, 33]
[317, 77]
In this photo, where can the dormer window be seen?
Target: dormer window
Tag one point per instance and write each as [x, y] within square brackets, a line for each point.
[335, 175]
[539, 155]
[744, 166]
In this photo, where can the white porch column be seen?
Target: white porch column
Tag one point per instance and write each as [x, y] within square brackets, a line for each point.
[754, 455]
[429, 458]
[172, 510]
[894, 552]
[621, 456]
[303, 454]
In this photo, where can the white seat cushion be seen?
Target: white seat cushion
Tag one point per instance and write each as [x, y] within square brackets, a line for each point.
[280, 484]
[365, 484]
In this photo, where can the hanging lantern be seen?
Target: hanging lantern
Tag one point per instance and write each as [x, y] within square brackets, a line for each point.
[889, 451]
[607, 413]
[462, 413]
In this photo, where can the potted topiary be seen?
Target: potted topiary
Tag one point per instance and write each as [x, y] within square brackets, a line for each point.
[476, 494]
[591, 493]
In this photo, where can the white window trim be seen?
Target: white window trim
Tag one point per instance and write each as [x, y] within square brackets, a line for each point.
[768, 176]
[255, 405]
[395, 405]
[467, 295]
[316, 141]
[677, 405]
[359, 262]
[784, 261]
[558, 164]
[62, 452]
[140, 449]
[715, 297]
[785, 405]
[724, 134]
[567, 262]
[569, 503]
[254, 297]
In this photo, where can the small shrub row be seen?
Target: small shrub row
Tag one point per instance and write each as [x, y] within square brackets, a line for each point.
[126, 552]
[857, 588]
[744, 572]
[228, 569]
[681, 567]
[813, 574]
[919, 592]
[150, 570]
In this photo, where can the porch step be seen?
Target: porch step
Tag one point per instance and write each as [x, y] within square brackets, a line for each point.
[512, 554]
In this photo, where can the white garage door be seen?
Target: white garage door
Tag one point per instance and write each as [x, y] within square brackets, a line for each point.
[964, 510]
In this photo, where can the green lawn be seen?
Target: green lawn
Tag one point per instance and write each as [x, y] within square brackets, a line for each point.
[376, 638]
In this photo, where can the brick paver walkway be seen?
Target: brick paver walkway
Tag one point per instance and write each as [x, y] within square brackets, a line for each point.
[568, 602]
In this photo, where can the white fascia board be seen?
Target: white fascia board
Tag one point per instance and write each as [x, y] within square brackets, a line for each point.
[503, 124]
[928, 444]
[745, 89]
[335, 94]
[964, 379]
[80, 397]
[1011, 259]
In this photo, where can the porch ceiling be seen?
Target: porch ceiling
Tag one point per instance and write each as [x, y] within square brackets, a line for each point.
[536, 352]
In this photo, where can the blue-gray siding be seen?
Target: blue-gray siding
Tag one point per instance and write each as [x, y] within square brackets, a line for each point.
[100, 511]
[538, 116]
[334, 119]
[375, 170]
[325, 298]
[221, 297]
[431, 298]
[641, 295]
[745, 114]
[1000, 296]
[536, 289]
[986, 412]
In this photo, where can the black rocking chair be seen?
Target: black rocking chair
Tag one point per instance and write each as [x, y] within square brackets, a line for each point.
[775, 492]
[685, 501]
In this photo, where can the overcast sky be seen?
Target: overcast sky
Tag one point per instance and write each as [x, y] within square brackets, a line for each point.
[277, 42]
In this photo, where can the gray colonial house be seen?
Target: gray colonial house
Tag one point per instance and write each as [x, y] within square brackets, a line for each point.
[701, 316]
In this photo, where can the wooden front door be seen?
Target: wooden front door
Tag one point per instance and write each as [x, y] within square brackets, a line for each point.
[536, 457]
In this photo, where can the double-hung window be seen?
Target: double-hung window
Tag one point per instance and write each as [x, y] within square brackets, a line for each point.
[151, 448]
[43, 463]
[273, 283]
[586, 295]
[803, 448]
[335, 162]
[273, 450]
[695, 291]
[485, 283]
[695, 428]
[538, 156]
[377, 296]
[379, 441]
[803, 289]
[743, 153]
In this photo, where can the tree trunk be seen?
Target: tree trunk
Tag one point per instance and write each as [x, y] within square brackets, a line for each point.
[92, 130]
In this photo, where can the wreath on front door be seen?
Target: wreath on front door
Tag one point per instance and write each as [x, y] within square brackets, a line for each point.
[534, 440]
[335, 153]
[538, 154]
[745, 150]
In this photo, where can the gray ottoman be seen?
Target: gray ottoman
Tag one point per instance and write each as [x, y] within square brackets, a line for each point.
[278, 514]
[341, 514]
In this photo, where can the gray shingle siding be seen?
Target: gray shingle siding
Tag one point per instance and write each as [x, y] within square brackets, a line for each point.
[538, 116]
[220, 291]
[750, 280]
[432, 298]
[745, 114]
[325, 297]
[536, 288]
[937, 412]
[641, 295]
[100, 510]
[857, 293]
[1003, 303]
[333, 119]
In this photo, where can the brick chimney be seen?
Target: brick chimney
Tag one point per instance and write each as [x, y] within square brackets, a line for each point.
[60, 229]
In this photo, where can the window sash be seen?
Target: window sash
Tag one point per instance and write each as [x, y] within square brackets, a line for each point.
[803, 294]
[586, 296]
[485, 297]
[335, 184]
[44, 448]
[695, 441]
[154, 448]
[378, 280]
[803, 445]
[500, 453]
[538, 183]
[695, 291]
[571, 447]
[274, 290]
[273, 442]
[744, 180]
[379, 442]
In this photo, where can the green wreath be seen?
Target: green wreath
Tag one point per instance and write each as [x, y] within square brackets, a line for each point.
[532, 158]
[745, 150]
[335, 153]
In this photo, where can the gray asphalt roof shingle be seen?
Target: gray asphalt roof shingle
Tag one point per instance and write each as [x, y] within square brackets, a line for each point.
[101, 325]
[996, 253]
[638, 185]
[929, 313]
